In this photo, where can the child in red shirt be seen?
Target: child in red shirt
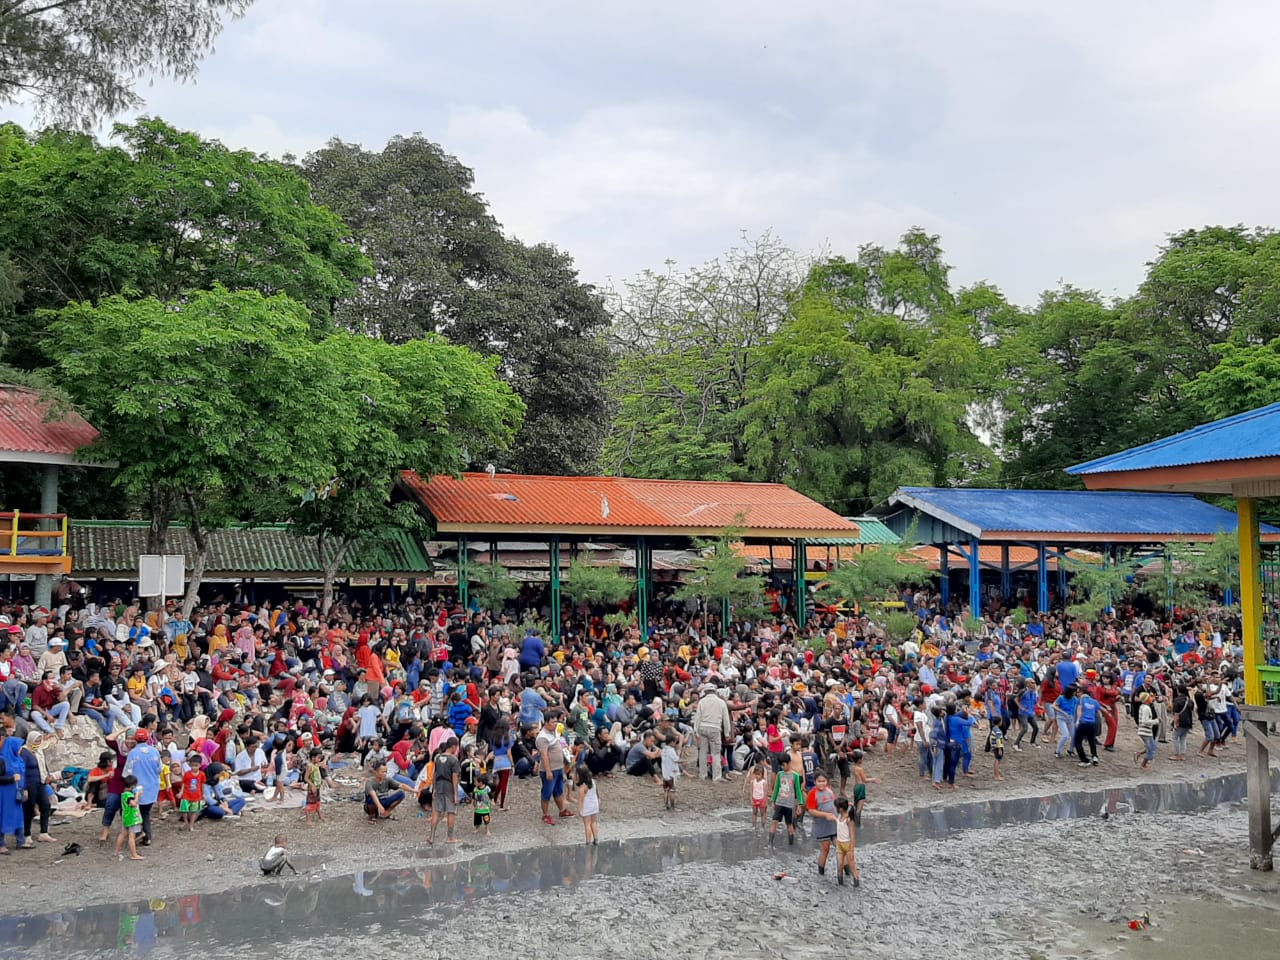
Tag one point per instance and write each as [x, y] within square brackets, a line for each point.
[192, 802]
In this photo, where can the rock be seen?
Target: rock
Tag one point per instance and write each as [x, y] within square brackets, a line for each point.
[81, 747]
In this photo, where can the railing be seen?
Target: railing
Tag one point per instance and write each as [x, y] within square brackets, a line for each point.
[34, 542]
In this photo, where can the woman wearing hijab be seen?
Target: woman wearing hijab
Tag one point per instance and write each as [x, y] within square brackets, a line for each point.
[37, 793]
[13, 773]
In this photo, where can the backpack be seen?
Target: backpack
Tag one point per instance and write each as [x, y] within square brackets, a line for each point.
[404, 711]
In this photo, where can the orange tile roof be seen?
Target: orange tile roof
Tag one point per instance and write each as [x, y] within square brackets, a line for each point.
[514, 503]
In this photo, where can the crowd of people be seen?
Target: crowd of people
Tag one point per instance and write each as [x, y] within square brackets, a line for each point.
[429, 706]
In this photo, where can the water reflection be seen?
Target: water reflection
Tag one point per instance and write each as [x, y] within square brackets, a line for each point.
[416, 896]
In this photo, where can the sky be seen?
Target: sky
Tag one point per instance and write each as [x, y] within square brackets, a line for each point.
[1045, 142]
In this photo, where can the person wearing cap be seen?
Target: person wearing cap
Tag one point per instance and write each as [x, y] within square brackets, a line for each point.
[144, 762]
[49, 708]
[712, 726]
[13, 689]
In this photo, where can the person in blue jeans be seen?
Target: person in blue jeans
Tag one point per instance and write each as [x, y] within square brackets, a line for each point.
[959, 727]
[938, 744]
[1088, 722]
[1064, 710]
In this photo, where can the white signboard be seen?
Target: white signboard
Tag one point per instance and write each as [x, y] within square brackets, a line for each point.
[161, 576]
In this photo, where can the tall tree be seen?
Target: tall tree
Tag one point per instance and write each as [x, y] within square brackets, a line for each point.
[688, 344]
[870, 385]
[79, 59]
[443, 265]
[213, 407]
[164, 213]
[424, 405]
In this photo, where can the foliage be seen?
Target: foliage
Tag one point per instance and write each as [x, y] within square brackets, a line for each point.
[491, 586]
[1019, 616]
[441, 264]
[876, 571]
[1244, 378]
[869, 385]
[688, 345]
[422, 406]
[591, 584]
[900, 626]
[165, 213]
[79, 59]
[187, 400]
[720, 573]
[1098, 588]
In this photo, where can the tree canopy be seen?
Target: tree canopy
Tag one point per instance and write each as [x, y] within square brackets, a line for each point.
[442, 265]
[80, 59]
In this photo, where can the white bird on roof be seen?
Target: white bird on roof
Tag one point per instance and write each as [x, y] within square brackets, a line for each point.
[604, 507]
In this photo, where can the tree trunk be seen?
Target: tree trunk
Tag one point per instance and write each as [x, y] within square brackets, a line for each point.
[331, 565]
[196, 577]
[161, 509]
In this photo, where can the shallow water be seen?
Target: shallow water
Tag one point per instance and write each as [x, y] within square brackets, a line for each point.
[413, 899]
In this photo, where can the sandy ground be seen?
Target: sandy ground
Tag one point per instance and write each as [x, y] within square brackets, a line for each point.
[223, 856]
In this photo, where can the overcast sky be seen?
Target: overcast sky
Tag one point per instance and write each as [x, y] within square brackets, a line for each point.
[1044, 141]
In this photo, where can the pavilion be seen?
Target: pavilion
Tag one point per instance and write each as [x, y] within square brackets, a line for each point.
[969, 525]
[32, 432]
[649, 514]
[1240, 457]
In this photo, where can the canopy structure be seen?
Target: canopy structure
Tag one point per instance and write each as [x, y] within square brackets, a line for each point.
[1239, 456]
[961, 522]
[649, 513]
[33, 432]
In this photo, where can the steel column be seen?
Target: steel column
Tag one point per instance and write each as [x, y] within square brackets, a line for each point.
[944, 572]
[975, 580]
[1042, 578]
[799, 568]
[464, 558]
[553, 559]
[1251, 601]
[1006, 575]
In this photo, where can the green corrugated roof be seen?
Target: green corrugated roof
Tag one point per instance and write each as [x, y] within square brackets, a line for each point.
[110, 548]
[870, 530]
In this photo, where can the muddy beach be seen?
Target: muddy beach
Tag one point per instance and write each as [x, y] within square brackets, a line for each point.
[222, 856]
[1057, 873]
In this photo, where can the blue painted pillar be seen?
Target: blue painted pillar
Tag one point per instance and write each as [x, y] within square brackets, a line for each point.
[1006, 575]
[1062, 576]
[975, 580]
[1042, 578]
[643, 574]
[944, 572]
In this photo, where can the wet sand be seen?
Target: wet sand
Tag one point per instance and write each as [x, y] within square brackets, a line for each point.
[223, 856]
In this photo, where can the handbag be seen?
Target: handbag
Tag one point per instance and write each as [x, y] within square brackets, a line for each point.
[22, 795]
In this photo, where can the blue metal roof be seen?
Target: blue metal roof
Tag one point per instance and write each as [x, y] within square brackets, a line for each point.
[978, 513]
[1246, 436]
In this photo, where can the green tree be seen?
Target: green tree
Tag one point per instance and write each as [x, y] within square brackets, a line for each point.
[424, 405]
[164, 213]
[1245, 377]
[591, 584]
[870, 384]
[876, 571]
[189, 403]
[491, 585]
[1099, 587]
[79, 59]
[720, 573]
[441, 264]
[688, 346]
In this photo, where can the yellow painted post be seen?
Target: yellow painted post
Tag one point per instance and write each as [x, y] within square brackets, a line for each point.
[13, 543]
[1250, 600]
[64, 535]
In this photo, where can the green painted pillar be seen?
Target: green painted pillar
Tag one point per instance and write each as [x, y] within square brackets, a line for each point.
[553, 560]
[643, 574]
[800, 568]
[463, 562]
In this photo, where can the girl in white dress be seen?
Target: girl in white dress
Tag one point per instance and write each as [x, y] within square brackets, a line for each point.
[588, 803]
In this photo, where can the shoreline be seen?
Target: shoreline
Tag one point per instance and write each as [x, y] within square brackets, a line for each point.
[220, 857]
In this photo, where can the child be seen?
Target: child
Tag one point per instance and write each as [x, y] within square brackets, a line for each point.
[846, 833]
[276, 858]
[588, 803]
[670, 770]
[996, 739]
[482, 804]
[130, 818]
[756, 786]
[787, 790]
[192, 802]
[860, 781]
[314, 778]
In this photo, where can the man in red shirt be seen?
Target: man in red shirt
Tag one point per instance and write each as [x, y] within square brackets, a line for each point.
[49, 710]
